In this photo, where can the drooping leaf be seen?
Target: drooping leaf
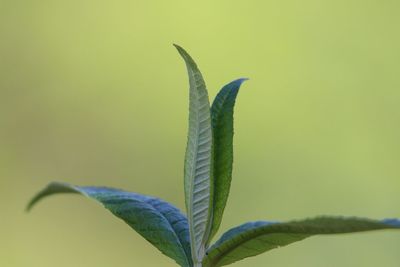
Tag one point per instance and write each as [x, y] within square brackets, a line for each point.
[157, 221]
[222, 123]
[253, 238]
[198, 159]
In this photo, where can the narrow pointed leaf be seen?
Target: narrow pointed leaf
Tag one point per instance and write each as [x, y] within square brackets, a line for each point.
[222, 124]
[198, 158]
[253, 238]
[157, 221]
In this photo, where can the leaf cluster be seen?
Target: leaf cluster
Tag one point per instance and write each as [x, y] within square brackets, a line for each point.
[207, 181]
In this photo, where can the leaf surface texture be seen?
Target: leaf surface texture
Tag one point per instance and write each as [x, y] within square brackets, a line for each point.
[159, 222]
[198, 159]
[253, 238]
[222, 124]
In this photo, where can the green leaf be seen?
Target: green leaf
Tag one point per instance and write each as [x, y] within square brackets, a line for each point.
[157, 221]
[198, 159]
[222, 123]
[253, 238]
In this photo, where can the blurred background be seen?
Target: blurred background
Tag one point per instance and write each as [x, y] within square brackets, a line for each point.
[94, 93]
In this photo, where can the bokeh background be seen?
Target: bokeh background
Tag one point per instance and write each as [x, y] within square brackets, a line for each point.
[93, 93]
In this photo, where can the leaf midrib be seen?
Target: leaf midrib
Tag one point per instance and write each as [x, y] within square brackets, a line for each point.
[197, 84]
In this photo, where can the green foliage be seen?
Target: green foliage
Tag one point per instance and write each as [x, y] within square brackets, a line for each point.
[253, 238]
[157, 221]
[207, 180]
[198, 159]
[222, 123]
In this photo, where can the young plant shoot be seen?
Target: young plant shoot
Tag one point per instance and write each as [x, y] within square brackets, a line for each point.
[207, 181]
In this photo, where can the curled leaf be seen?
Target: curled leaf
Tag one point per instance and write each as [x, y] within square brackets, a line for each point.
[157, 221]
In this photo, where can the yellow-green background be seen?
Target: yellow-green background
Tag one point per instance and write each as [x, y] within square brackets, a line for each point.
[93, 93]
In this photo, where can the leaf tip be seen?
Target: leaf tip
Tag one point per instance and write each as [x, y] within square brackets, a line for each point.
[33, 202]
[29, 207]
[176, 45]
[50, 189]
[186, 57]
[242, 80]
[180, 49]
[392, 222]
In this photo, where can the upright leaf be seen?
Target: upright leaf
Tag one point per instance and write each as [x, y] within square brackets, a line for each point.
[198, 159]
[157, 221]
[253, 238]
[222, 124]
